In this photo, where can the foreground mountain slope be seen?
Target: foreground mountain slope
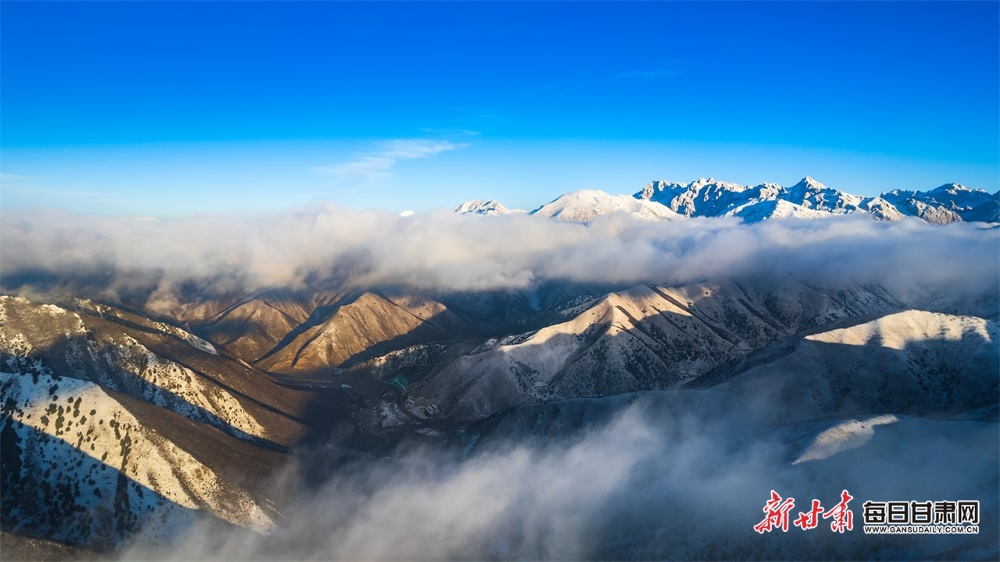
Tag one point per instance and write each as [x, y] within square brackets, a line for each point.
[112, 421]
[87, 471]
[150, 361]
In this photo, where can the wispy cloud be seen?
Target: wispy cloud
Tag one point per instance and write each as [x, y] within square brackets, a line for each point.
[377, 164]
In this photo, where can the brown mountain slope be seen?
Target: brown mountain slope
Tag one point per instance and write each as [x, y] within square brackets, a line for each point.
[252, 327]
[370, 325]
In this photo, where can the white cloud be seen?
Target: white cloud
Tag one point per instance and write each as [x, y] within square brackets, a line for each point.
[671, 476]
[378, 163]
[442, 251]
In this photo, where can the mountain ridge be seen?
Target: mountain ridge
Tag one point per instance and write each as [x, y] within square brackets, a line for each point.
[807, 199]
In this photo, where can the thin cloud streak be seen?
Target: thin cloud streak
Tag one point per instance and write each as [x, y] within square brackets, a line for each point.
[377, 164]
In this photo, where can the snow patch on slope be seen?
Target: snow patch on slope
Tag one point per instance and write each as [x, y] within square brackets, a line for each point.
[186, 384]
[28, 332]
[844, 436]
[84, 440]
[191, 339]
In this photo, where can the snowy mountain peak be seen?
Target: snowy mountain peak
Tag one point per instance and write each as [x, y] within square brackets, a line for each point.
[810, 183]
[808, 198]
[587, 204]
[953, 189]
[945, 204]
[490, 208]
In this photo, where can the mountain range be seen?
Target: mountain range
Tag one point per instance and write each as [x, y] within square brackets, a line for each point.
[619, 420]
[662, 200]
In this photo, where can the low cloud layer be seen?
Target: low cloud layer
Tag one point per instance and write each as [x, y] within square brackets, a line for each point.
[647, 483]
[330, 246]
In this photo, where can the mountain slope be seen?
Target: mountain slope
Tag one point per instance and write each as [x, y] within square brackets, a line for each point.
[910, 362]
[87, 471]
[254, 326]
[360, 329]
[149, 361]
[757, 211]
[878, 408]
[945, 204]
[645, 338]
[112, 421]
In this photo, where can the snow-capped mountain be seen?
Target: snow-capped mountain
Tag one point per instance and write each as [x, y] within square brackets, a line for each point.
[706, 197]
[587, 204]
[948, 203]
[756, 211]
[491, 208]
[806, 199]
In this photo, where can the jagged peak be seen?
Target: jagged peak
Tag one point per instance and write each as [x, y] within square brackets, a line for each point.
[953, 188]
[810, 183]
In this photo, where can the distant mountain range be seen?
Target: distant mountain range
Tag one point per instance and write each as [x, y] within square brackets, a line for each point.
[808, 199]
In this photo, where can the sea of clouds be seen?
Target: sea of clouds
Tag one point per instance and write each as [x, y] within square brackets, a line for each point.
[334, 247]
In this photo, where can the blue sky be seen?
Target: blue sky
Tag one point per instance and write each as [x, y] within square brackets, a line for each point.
[171, 108]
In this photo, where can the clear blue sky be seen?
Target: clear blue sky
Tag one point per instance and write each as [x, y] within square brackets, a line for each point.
[171, 108]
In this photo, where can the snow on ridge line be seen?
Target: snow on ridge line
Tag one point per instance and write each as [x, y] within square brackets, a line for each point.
[194, 341]
[902, 329]
[482, 207]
